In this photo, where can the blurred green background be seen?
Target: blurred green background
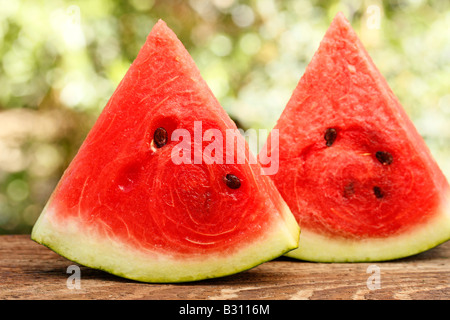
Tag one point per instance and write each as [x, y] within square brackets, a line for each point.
[60, 61]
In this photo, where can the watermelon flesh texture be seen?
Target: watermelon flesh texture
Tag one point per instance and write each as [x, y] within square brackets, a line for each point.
[355, 172]
[125, 207]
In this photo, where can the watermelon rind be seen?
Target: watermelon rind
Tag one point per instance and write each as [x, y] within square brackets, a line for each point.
[321, 248]
[92, 250]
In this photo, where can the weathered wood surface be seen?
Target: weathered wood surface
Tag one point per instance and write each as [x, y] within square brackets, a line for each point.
[31, 271]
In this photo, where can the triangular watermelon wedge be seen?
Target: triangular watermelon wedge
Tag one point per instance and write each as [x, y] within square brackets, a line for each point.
[355, 172]
[132, 204]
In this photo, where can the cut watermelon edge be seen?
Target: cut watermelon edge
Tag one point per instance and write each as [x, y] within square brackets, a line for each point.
[320, 248]
[77, 244]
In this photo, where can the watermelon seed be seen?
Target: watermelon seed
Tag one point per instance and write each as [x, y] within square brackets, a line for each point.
[160, 137]
[349, 190]
[384, 157]
[378, 193]
[232, 181]
[330, 136]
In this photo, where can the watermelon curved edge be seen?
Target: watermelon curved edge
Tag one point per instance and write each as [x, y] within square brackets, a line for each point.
[110, 256]
[319, 248]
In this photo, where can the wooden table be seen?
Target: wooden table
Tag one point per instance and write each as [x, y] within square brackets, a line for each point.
[31, 271]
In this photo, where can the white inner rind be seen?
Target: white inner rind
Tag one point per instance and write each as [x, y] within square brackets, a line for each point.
[76, 243]
[320, 248]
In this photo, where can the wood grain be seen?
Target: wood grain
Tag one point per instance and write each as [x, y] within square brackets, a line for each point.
[31, 271]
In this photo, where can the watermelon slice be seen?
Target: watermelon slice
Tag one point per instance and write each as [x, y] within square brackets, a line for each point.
[131, 205]
[355, 172]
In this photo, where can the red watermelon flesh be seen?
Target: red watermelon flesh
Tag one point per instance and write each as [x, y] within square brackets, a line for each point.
[355, 172]
[124, 206]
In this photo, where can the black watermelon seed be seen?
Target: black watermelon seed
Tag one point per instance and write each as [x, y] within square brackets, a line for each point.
[378, 193]
[384, 157]
[232, 181]
[330, 136]
[160, 137]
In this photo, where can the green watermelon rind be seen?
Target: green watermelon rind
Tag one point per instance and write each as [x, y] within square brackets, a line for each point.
[320, 248]
[86, 248]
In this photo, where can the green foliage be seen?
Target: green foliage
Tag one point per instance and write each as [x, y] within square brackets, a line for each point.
[61, 61]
